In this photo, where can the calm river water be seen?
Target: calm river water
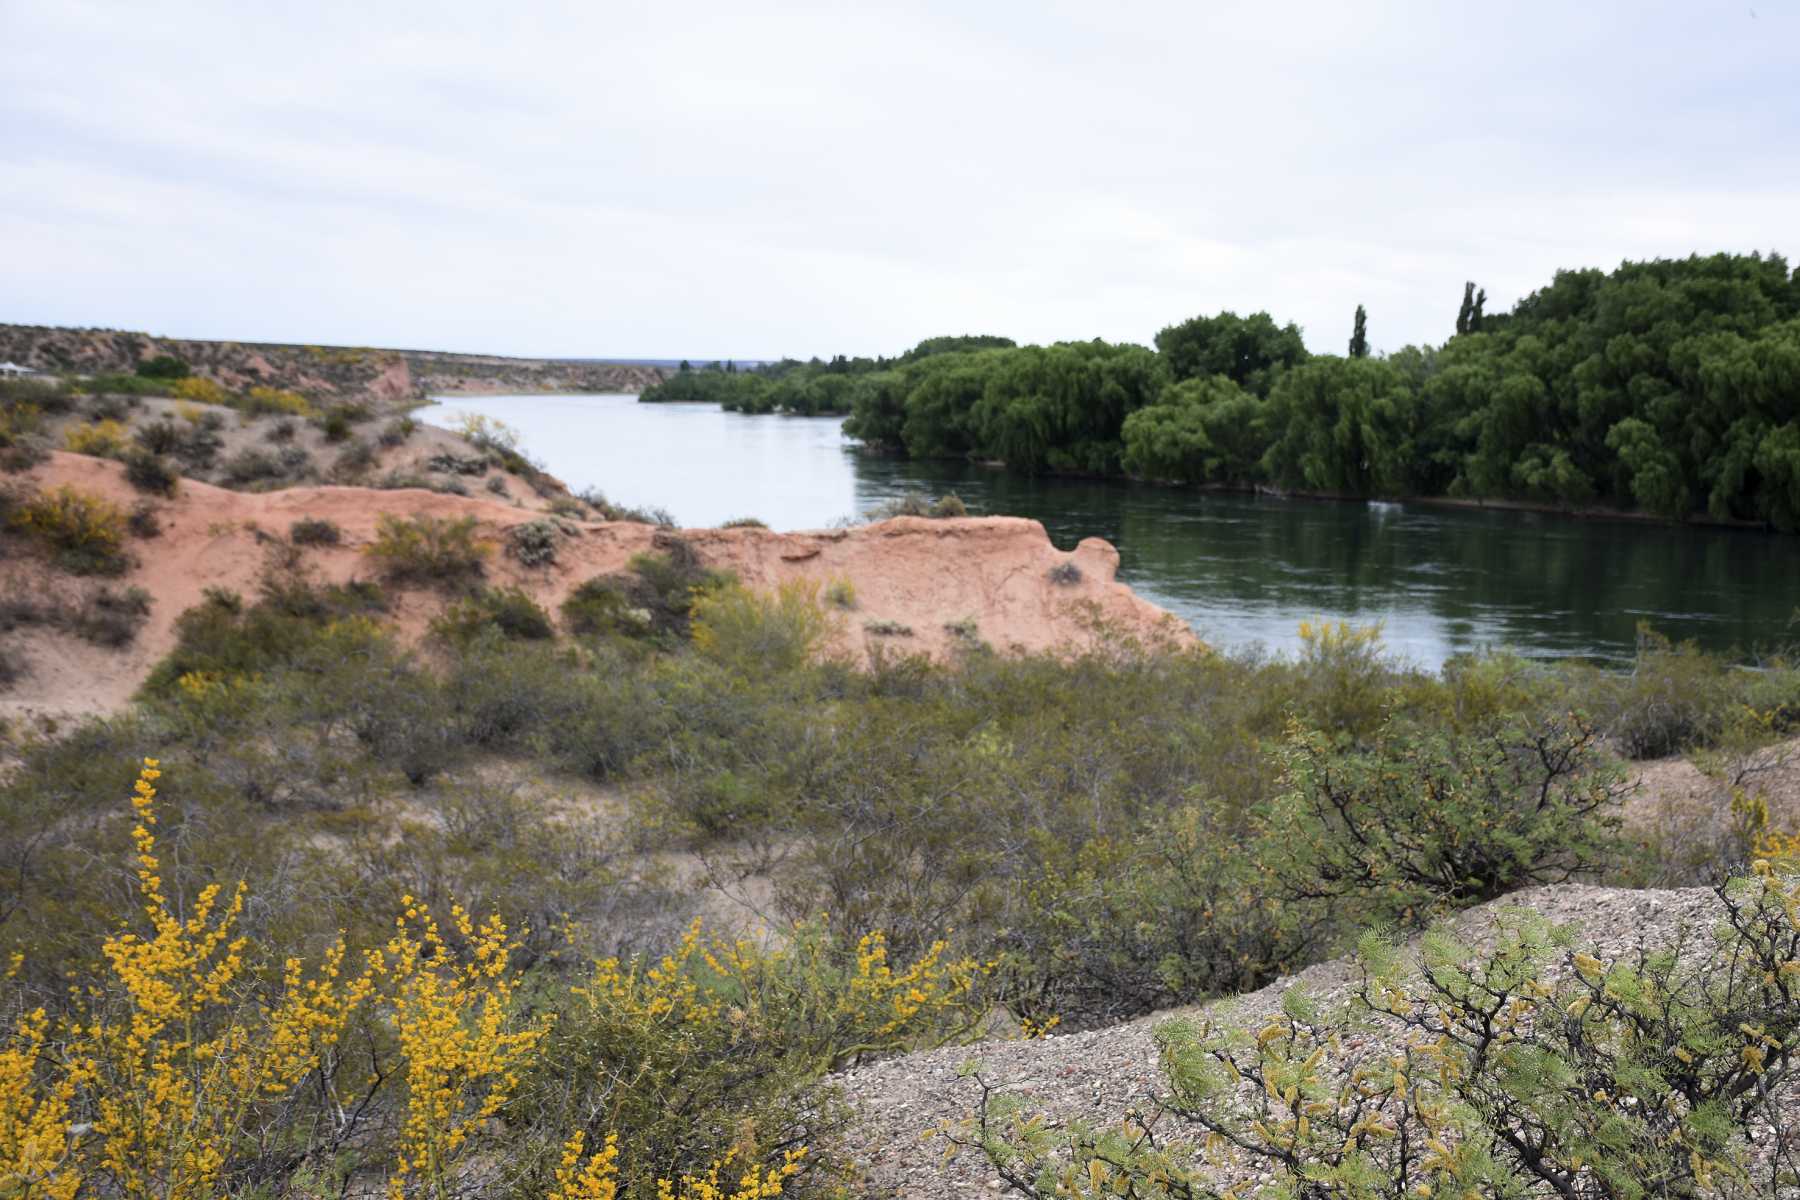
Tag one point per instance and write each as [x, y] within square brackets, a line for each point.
[1242, 570]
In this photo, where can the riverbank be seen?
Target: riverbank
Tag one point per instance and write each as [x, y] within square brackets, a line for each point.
[907, 586]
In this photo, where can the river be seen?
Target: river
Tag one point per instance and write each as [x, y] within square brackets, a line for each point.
[1243, 570]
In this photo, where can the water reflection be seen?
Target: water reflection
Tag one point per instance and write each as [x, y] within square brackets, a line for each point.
[1241, 569]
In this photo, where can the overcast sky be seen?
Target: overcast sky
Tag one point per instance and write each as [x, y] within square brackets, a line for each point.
[751, 180]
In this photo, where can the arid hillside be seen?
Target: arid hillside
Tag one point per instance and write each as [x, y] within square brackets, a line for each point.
[321, 373]
[919, 586]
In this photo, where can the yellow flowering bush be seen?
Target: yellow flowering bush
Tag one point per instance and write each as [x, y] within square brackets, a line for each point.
[102, 439]
[197, 390]
[84, 530]
[726, 1037]
[191, 1067]
[262, 401]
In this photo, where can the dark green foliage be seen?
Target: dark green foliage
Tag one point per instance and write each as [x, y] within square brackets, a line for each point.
[150, 472]
[1359, 335]
[1200, 431]
[194, 445]
[225, 638]
[1533, 1069]
[1250, 351]
[336, 424]
[509, 612]
[142, 521]
[121, 386]
[1466, 313]
[164, 366]
[315, 531]
[1422, 818]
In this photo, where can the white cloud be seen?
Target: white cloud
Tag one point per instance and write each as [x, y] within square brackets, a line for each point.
[712, 179]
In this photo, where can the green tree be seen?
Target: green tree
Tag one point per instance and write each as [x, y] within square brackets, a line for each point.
[1250, 351]
[1359, 335]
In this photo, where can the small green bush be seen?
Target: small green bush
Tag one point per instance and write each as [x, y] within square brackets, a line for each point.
[164, 366]
[886, 627]
[745, 523]
[437, 551]
[1424, 819]
[1065, 574]
[395, 432]
[841, 593]
[150, 472]
[315, 531]
[601, 606]
[949, 506]
[510, 612]
[533, 543]
[142, 521]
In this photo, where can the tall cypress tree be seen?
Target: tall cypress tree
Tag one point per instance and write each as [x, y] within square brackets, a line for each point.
[1475, 313]
[1467, 310]
[1359, 335]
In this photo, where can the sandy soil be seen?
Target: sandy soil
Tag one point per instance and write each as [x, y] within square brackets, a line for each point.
[990, 574]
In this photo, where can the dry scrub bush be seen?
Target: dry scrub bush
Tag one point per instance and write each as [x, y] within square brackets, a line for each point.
[435, 551]
[84, 531]
[103, 439]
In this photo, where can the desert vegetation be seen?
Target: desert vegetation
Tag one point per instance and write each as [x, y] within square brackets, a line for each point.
[461, 961]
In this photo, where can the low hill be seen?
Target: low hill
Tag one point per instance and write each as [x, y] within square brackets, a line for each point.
[318, 372]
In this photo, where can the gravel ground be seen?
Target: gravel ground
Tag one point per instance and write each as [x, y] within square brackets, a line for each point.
[1101, 1076]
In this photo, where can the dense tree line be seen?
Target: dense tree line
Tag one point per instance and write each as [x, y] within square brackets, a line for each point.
[809, 389]
[1670, 387]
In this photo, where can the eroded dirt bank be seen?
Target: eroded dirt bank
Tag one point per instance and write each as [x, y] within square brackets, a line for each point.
[989, 577]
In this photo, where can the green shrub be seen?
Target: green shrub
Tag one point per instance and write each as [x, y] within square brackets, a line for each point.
[758, 633]
[224, 638]
[885, 627]
[1533, 1069]
[601, 606]
[1424, 819]
[533, 543]
[841, 593]
[252, 465]
[949, 506]
[1674, 698]
[150, 472]
[113, 397]
[510, 612]
[164, 366]
[142, 522]
[656, 596]
[354, 461]
[1065, 574]
[195, 444]
[745, 523]
[315, 531]
[437, 551]
[395, 432]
